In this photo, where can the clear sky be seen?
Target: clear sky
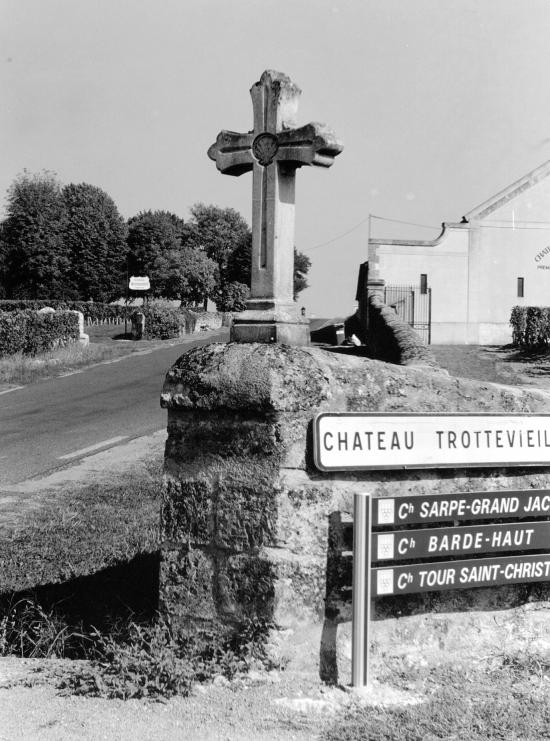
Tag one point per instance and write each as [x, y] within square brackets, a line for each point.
[439, 104]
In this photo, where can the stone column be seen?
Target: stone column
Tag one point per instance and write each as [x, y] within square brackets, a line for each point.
[83, 338]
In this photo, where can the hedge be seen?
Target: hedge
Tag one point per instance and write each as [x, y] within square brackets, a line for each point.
[93, 312]
[163, 322]
[530, 327]
[31, 332]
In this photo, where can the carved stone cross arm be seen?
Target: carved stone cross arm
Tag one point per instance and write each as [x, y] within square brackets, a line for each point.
[273, 150]
[232, 152]
[312, 144]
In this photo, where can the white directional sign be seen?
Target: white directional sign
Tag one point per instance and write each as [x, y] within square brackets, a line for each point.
[139, 283]
[357, 441]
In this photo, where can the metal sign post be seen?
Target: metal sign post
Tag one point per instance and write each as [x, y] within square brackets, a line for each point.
[361, 594]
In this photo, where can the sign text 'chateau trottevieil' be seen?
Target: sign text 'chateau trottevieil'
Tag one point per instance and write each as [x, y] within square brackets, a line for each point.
[355, 441]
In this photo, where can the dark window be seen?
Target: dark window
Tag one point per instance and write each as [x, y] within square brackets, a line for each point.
[521, 287]
[423, 283]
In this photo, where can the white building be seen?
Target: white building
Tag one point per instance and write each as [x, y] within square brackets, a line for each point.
[477, 270]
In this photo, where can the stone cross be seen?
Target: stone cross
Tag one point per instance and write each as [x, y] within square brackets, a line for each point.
[273, 150]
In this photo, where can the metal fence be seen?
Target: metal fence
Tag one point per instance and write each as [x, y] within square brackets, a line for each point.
[414, 306]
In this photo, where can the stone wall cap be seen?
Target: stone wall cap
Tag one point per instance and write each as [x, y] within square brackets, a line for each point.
[252, 378]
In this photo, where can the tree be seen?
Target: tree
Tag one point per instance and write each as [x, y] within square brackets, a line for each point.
[152, 237]
[220, 232]
[95, 238]
[302, 264]
[186, 274]
[240, 264]
[226, 238]
[3, 248]
[36, 261]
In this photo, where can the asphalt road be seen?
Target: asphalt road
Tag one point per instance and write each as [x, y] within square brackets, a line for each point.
[53, 423]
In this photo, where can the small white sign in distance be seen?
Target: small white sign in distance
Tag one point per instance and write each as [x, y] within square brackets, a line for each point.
[139, 283]
[356, 441]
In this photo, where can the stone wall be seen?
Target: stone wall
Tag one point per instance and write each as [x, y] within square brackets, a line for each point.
[248, 520]
[391, 339]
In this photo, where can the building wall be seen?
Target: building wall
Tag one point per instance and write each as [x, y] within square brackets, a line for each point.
[473, 269]
[446, 264]
[507, 244]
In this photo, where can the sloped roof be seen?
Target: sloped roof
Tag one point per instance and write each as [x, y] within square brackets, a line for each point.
[509, 193]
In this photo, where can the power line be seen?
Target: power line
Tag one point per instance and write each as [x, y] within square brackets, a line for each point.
[513, 225]
[408, 223]
[335, 239]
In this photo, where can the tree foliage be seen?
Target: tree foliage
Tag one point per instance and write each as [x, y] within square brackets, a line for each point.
[151, 235]
[95, 238]
[70, 243]
[177, 270]
[302, 264]
[186, 274]
[220, 232]
[35, 260]
[226, 238]
[232, 297]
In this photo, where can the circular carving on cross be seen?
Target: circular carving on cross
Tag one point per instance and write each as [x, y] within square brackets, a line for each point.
[265, 147]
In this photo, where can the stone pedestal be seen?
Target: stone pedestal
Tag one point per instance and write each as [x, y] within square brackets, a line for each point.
[268, 321]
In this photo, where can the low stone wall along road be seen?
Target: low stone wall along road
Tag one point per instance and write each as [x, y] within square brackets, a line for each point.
[55, 422]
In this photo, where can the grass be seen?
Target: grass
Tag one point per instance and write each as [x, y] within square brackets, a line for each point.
[22, 369]
[504, 698]
[82, 531]
[79, 579]
[105, 344]
[86, 560]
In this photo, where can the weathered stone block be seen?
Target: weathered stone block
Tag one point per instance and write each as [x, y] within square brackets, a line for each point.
[187, 577]
[246, 587]
[246, 513]
[187, 510]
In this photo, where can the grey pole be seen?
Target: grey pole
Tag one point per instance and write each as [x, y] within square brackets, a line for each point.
[361, 594]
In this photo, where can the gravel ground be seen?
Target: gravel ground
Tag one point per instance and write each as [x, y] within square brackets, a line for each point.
[494, 364]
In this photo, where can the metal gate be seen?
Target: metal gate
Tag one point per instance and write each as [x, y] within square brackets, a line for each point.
[413, 305]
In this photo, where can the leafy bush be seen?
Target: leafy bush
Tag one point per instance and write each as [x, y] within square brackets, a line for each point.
[30, 332]
[12, 332]
[518, 320]
[232, 297]
[530, 327]
[165, 322]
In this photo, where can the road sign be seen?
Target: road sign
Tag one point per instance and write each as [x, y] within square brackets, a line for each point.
[502, 505]
[357, 441]
[435, 542]
[428, 543]
[139, 283]
[443, 575]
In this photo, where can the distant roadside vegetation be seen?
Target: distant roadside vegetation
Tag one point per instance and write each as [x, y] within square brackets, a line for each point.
[70, 243]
